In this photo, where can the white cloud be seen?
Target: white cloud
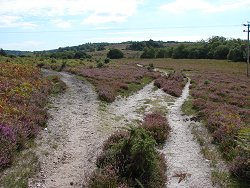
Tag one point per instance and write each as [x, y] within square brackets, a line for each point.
[96, 19]
[62, 23]
[205, 6]
[24, 45]
[14, 21]
[146, 37]
[97, 11]
[137, 33]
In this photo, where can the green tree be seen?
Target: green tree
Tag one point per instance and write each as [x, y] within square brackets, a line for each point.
[115, 54]
[81, 54]
[149, 53]
[180, 52]
[2, 52]
[235, 54]
[221, 52]
[162, 53]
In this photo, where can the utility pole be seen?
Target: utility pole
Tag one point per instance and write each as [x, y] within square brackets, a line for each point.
[248, 25]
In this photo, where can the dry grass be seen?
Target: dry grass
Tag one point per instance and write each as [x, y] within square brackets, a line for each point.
[195, 65]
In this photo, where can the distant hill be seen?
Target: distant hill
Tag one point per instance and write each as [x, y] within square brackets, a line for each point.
[129, 45]
[92, 47]
[18, 53]
[87, 47]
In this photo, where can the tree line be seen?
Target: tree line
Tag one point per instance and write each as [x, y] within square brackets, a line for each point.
[214, 48]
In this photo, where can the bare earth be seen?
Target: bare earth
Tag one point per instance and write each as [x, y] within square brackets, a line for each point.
[146, 100]
[77, 127]
[67, 150]
[186, 165]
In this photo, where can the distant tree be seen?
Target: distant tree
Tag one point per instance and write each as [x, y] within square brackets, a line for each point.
[154, 44]
[2, 52]
[169, 51]
[149, 53]
[162, 53]
[221, 52]
[216, 40]
[115, 54]
[100, 48]
[235, 54]
[197, 52]
[81, 54]
[137, 46]
[180, 52]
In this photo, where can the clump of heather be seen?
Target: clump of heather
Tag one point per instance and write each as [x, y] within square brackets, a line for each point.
[171, 84]
[7, 143]
[157, 125]
[129, 159]
[105, 93]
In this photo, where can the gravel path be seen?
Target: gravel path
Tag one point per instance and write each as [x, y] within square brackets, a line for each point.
[67, 150]
[144, 101]
[77, 127]
[186, 165]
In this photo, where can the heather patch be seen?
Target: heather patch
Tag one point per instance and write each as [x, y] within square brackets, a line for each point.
[224, 103]
[22, 99]
[157, 125]
[117, 80]
[172, 84]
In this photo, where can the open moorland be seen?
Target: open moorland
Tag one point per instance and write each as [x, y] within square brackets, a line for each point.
[96, 121]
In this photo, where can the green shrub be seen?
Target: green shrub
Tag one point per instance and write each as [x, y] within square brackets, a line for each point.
[129, 158]
[115, 54]
[136, 155]
[57, 85]
[149, 53]
[151, 67]
[99, 65]
[63, 65]
[106, 60]
[53, 60]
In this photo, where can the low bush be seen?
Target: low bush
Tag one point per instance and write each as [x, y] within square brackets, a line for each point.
[99, 65]
[171, 84]
[115, 54]
[157, 126]
[105, 93]
[106, 60]
[8, 143]
[57, 85]
[129, 158]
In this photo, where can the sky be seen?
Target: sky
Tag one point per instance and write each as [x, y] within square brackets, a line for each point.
[48, 24]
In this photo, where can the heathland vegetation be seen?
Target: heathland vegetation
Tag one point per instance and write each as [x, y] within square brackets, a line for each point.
[219, 97]
[23, 97]
[130, 159]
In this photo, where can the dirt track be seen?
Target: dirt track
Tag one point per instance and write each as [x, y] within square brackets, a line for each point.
[75, 132]
[77, 128]
[186, 165]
